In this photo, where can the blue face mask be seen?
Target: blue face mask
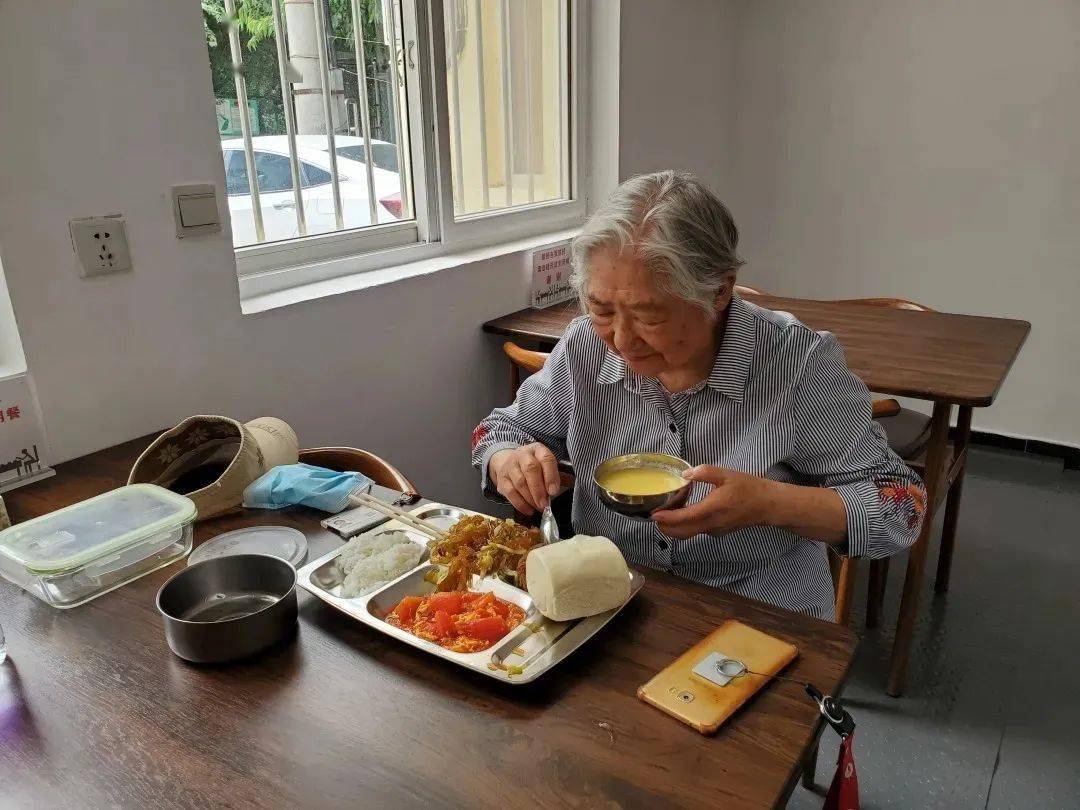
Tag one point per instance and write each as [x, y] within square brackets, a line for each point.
[304, 485]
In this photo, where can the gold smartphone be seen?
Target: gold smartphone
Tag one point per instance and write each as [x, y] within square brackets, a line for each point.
[693, 688]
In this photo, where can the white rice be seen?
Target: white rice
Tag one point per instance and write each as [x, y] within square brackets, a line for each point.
[364, 546]
[370, 562]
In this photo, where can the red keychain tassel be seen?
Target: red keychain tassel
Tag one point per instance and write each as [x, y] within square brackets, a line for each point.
[844, 791]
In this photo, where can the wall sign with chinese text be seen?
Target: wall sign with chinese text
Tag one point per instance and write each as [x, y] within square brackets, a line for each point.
[22, 439]
[550, 275]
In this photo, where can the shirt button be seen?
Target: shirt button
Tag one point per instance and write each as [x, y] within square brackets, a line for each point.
[662, 544]
[673, 427]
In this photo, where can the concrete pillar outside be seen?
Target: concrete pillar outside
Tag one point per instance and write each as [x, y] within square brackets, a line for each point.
[304, 55]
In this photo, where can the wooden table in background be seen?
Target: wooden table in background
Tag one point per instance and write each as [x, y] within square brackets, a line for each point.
[96, 711]
[950, 360]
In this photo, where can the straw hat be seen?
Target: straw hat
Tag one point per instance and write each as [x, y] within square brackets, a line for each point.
[212, 459]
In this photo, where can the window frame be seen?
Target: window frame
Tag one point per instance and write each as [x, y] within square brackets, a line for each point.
[526, 220]
[434, 231]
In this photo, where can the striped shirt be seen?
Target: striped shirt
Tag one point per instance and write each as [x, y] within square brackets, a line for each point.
[779, 402]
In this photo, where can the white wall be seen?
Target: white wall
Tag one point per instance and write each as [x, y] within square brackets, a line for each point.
[103, 106]
[924, 150]
[604, 99]
[118, 107]
[677, 87]
[864, 149]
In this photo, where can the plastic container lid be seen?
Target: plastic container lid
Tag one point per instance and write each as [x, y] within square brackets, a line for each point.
[277, 541]
[89, 530]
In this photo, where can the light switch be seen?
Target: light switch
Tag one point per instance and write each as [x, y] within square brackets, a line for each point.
[198, 209]
[195, 209]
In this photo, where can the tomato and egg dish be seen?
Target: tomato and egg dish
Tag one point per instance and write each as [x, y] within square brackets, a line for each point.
[462, 621]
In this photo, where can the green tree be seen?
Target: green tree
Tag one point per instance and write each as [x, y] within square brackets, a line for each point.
[255, 24]
[255, 18]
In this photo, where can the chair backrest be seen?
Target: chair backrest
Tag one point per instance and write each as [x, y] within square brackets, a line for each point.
[352, 459]
[526, 359]
[886, 303]
[522, 359]
[742, 289]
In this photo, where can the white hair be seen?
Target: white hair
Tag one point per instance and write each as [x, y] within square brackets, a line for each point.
[672, 223]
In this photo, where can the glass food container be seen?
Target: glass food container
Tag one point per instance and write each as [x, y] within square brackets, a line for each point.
[75, 554]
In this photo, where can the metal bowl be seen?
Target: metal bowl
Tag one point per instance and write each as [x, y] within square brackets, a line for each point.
[641, 507]
[228, 608]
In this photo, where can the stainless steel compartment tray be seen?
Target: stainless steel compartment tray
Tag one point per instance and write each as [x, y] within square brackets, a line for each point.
[522, 656]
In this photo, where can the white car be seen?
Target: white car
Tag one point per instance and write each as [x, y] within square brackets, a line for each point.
[271, 153]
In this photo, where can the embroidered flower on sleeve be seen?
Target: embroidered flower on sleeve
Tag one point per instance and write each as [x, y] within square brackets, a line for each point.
[908, 499]
[478, 434]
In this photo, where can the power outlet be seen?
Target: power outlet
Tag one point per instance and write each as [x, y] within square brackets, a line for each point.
[101, 245]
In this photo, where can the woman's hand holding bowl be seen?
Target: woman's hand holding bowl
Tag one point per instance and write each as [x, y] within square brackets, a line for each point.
[737, 500]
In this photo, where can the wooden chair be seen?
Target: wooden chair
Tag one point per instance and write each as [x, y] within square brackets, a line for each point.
[352, 459]
[909, 432]
[522, 359]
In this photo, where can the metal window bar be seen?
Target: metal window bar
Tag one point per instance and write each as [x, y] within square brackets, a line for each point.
[528, 29]
[482, 105]
[389, 27]
[290, 117]
[507, 103]
[365, 114]
[452, 80]
[563, 33]
[245, 125]
[328, 113]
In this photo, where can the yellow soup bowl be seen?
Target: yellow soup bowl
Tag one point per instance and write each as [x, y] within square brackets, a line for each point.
[638, 484]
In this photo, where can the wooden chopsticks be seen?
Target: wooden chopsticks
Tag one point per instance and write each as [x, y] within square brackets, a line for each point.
[363, 499]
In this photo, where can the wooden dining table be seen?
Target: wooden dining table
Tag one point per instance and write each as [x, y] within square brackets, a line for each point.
[96, 711]
[950, 360]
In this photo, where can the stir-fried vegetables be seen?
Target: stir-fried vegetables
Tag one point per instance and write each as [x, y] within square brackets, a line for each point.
[462, 621]
[485, 547]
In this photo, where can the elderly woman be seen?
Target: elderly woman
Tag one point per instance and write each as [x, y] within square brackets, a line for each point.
[669, 359]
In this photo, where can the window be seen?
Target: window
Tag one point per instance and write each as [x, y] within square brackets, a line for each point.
[384, 155]
[314, 176]
[506, 81]
[274, 173]
[235, 172]
[467, 108]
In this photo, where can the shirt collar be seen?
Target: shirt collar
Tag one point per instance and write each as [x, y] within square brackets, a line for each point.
[612, 369]
[731, 369]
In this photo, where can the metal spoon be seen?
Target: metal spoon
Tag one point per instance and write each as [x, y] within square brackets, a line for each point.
[549, 529]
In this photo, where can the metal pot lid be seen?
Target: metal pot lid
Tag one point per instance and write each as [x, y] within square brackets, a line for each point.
[278, 541]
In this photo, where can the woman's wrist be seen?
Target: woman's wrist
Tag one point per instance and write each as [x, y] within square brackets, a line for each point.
[774, 503]
[817, 513]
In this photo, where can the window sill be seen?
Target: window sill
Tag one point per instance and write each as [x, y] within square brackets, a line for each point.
[253, 302]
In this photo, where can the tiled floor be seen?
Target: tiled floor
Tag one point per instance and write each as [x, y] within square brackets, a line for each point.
[991, 717]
